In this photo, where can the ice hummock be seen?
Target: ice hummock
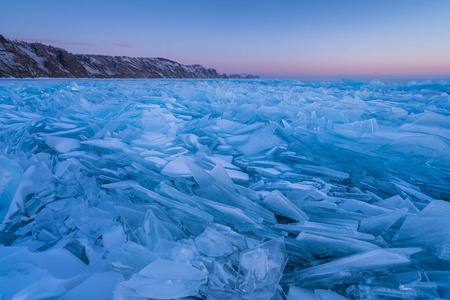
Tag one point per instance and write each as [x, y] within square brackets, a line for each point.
[165, 189]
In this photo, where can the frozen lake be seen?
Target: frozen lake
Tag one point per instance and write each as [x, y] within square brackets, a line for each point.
[224, 189]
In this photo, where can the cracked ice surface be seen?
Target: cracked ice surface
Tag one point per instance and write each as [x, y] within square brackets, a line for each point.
[214, 189]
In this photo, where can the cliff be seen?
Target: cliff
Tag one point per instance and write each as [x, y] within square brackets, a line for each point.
[33, 60]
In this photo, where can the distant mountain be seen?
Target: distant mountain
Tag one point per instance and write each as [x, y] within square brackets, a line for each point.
[33, 60]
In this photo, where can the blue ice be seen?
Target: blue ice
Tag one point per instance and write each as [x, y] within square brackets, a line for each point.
[224, 189]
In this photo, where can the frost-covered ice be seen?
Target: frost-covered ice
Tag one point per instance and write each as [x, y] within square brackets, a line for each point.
[214, 189]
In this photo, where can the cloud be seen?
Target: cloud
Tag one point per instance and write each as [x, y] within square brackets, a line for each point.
[124, 45]
[51, 41]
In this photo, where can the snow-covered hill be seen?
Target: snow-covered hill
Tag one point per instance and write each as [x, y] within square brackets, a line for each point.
[32, 60]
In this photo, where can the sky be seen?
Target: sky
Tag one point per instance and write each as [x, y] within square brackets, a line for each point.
[276, 38]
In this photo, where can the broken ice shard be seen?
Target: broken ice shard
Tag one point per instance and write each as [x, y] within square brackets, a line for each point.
[213, 243]
[350, 269]
[10, 177]
[62, 144]
[429, 229]
[260, 269]
[163, 279]
[278, 203]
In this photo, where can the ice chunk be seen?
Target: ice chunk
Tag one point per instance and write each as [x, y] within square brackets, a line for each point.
[278, 203]
[25, 281]
[349, 269]
[266, 172]
[260, 141]
[158, 162]
[98, 286]
[222, 177]
[429, 229]
[176, 168]
[227, 125]
[164, 279]
[130, 258]
[323, 171]
[260, 269]
[380, 222]
[62, 144]
[154, 230]
[32, 181]
[237, 176]
[76, 248]
[296, 293]
[376, 82]
[154, 140]
[333, 246]
[369, 126]
[113, 144]
[114, 237]
[355, 205]
[213, 243]
[398, 202]
[329, 229]
[173, 270]
[56, 262]
[10, 177]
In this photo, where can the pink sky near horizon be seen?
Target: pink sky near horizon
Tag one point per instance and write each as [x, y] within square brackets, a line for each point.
[377, 68]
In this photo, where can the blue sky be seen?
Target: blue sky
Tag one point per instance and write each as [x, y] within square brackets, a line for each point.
[316, 38]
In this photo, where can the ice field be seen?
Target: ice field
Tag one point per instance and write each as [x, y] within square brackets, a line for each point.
[224, 189]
